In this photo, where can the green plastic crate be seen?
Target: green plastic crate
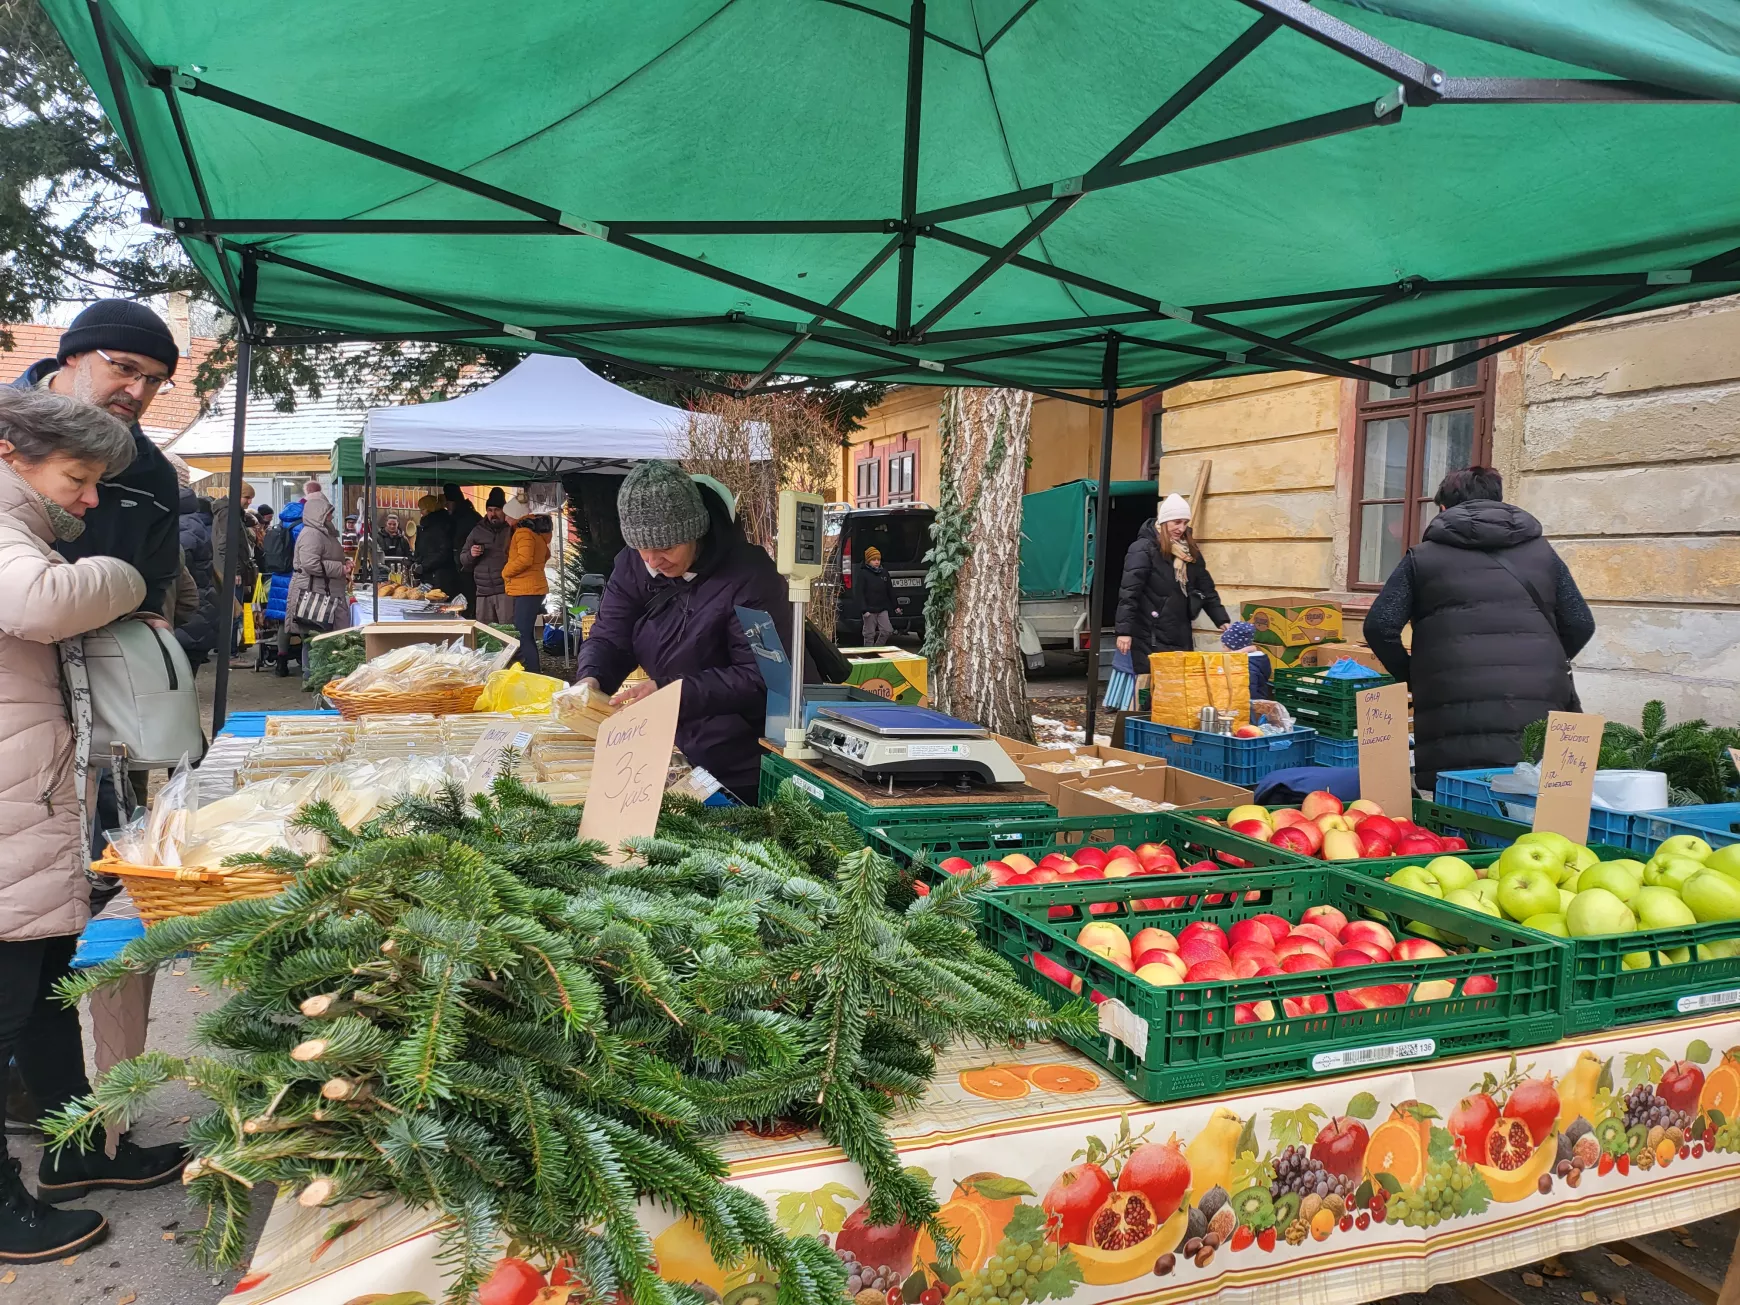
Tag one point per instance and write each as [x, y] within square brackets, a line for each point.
[1323, 703]
[776, 770]
[1600, 993]
[1183, 1041]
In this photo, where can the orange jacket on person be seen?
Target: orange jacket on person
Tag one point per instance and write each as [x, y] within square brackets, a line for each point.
[523, 573]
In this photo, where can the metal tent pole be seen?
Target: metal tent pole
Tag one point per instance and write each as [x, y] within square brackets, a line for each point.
[220, 699]
[1102, 527]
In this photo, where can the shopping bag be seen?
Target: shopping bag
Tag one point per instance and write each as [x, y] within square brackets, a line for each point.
[247, 624]
[1181, 684]
[518, 692]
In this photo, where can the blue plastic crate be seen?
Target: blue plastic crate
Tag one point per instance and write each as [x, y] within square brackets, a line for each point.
[1220, 756]
[1717, 824]
[1471, 790]
[1334, 752]
[252, 724]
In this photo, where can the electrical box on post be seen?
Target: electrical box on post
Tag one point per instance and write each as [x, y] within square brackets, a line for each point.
[800, 535]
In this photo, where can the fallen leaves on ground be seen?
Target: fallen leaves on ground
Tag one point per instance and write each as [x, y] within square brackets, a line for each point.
[1534, 1280]
[128, 1299]
[1620, 1260]
[1553, 1269]
[9, 1277]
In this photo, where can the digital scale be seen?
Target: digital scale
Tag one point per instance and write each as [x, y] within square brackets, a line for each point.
[890, 741]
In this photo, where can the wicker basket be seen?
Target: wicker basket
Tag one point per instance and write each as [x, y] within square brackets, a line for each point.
[161, 893]
[388, 702]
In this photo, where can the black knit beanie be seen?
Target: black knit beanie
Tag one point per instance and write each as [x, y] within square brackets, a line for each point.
[123, 325]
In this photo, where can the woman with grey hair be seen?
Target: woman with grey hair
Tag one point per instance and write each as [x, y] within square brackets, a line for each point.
[53, 453]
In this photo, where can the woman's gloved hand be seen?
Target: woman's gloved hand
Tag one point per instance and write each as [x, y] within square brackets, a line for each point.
[633, 693]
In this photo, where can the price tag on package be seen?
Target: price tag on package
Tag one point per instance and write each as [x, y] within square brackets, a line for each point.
[629, 770]
[487, 752]
[1384, 774]
[1573, 750]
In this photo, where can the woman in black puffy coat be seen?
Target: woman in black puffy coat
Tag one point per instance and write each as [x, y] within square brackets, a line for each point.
[1166, 584]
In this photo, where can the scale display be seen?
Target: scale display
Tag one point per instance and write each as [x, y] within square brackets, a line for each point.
[900, 719]
[894, 741]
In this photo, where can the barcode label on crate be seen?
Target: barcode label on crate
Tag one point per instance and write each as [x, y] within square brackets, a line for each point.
[1709, 1000]
[1328, 1062]
[804, 786]
[1119, 1021]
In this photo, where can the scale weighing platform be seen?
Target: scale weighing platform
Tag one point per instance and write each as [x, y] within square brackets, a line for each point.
[890, 741]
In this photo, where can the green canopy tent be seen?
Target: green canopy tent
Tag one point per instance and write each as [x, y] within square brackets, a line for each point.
[1092, 194]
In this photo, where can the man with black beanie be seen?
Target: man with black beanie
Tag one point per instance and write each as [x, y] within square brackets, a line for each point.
[119, 355]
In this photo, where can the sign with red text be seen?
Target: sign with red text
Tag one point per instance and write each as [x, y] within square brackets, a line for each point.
[1573, 750]
[1385, 776]
[630, 768]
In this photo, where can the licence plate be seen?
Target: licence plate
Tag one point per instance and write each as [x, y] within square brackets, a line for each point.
[909, 582]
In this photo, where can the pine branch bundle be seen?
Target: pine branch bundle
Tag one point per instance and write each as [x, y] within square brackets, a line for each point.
[469, 1010]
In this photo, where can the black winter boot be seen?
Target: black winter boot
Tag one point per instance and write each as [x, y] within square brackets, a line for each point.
[21, 1111]
[67, 1174]
[33, 1233]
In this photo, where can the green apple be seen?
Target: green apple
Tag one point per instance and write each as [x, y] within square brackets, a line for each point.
[1723, 949]
[1468, 900]
[1671, 871]
[1416, 880]
[1614, 877]
[1534, 856]
[1553, 924]
[1485, 889]
[1451, 872]
[1635, 960]
[1557, 844]
[1684, 845]
[1712, 896]
[1674, 956]
[1581, 859]
[1565, 897]
[1660, 908]
[1598, 912]
[1526, 892]
[1725, 859]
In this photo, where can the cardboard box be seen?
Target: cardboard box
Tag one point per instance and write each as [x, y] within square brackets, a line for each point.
[892, 673]
[1051, 781]
[1327, 654]
[1015, 748]
[384, 636]
[1184, 790]
[1287, 625]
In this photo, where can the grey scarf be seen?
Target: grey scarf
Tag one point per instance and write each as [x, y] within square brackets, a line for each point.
[65, 525]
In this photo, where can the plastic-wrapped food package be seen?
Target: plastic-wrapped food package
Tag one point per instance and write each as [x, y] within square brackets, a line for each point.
[172, 817]
[426, 667]
[582, 709]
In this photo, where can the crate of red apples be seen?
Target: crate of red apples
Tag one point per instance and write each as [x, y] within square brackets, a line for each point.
[1276, 975]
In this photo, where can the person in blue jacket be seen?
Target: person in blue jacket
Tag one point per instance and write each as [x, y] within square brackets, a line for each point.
[277, 561]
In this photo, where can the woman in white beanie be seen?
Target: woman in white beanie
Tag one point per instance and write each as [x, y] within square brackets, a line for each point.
[1165, 585]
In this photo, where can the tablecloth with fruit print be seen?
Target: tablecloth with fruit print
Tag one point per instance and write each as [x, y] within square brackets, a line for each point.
[1341, 1189]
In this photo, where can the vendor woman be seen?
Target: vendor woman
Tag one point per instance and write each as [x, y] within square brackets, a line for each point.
[670, 608]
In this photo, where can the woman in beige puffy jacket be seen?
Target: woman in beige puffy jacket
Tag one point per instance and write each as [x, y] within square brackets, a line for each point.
[53, 452]
[319, 564]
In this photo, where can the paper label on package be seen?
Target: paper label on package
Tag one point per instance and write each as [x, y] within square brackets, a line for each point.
[1573, 749]
[1330, 1062]
[629, 769]
[486, 754]
[1384, 772]
[936, 749]
[1119, 1021]
[1709, 1001]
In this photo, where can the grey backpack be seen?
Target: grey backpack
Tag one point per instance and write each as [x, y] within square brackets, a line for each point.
[142, 697]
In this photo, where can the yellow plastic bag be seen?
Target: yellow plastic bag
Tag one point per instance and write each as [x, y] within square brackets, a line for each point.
[1181, 684]
[518, 692]
[247, 625]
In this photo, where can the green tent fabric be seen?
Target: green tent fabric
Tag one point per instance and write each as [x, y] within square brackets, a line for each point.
[348, 465]
[1054, 535]
[1226, 185]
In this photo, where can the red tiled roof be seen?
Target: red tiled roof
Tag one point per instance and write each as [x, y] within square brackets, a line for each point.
[169, 414]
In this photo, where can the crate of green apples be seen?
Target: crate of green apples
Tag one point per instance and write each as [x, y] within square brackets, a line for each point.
[1649, 940]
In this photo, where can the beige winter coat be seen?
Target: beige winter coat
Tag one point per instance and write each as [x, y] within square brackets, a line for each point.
[44, 598]
[319, 563]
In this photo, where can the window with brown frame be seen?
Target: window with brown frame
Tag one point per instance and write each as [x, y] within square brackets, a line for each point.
[902, 470]
[1406, 439]
[869, 487]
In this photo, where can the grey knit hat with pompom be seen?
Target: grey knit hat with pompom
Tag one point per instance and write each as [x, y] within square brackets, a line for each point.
[660, 507]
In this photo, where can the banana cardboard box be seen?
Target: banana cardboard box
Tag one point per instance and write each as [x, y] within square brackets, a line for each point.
[1288, 626]
[896, 674]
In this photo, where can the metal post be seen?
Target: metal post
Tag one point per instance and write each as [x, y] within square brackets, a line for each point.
[369, 494]
[1102, 527]
[909, 169]
[220, 698]
[797, 654]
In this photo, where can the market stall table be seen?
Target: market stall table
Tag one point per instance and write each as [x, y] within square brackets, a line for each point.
[1025, 1119]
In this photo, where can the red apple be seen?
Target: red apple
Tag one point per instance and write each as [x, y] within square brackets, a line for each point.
[1045, 875]
[1320, 803]
[1020, 862]
[1097, 997]
[1246, 966]
[1321, 936]
[1416, 949]
[1681, 1086]
[1349, 956]
[1371, 845]
[1152, 939]
[1084, 873]
[1450, 843]
[1171, 960]
[1060, 912]
[1253, 829]
[1340, 1148]
[1001, 872]
[1217, 970]
[1256, 951]
[1302, 962]
[1365, 806]
[1149, 851]
[1297, 946]
[1314, 1003]
[1335, 822]
[1193, 951]
[1250, 931]
[1293, 839]
[1278, 928]
[1288, 816]
[1434, 990]
[955, 865]
[1325, 917]
[1419, 845]
[1122, 867]
[1090, 856]
[1206, 929]
[1202, 868]
[1266, 968]
[1161, 976]
[1378, 954]
[1056, 859]
[1055, 972]
[1382, 826]
[1120, 849]
[1313, 835]
[1368, 931]
[1253, 1012]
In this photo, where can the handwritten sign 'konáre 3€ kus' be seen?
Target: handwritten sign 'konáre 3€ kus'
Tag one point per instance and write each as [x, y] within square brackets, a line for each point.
[630, 768]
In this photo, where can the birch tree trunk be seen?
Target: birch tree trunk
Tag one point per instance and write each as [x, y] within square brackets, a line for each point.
[971, 614]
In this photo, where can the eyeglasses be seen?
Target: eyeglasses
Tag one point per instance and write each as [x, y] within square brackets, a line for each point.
[129, 373]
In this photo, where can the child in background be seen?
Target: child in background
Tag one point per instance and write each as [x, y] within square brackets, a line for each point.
[877, 592]
[1241, 636]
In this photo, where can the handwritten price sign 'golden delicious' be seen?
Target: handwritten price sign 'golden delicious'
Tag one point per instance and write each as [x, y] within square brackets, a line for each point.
[629, 769]
[1568, 764]
[1384, 773]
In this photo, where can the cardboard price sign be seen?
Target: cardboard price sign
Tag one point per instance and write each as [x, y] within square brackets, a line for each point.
[1385, 777]
[629, 770]
[487, 751]
[1734, 756]
[1568, 764]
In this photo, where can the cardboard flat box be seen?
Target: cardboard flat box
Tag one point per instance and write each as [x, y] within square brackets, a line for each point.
[1184, 790]
[1327, 654]
[1051, 781]
[1289, 624]
[384, 636]
[891, 673]
[1015, 748]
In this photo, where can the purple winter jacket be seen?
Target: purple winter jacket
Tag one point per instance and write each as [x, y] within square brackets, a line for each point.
[694, 636]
